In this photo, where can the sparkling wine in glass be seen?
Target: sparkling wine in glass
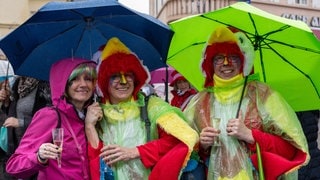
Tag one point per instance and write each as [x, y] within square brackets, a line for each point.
[57, 136]
[216, 125]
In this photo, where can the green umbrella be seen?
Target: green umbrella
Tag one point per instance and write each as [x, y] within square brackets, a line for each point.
[287, 53]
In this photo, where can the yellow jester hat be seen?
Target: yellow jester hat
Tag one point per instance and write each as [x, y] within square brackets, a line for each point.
[117, 58]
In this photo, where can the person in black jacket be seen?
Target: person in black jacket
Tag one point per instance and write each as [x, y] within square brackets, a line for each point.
[309, 121]
[28, 95]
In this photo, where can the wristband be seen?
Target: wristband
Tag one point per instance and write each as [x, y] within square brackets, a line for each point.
[41, 160]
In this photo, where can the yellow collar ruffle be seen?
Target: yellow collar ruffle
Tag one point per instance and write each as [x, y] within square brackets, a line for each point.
[228, 91]
[120, 112]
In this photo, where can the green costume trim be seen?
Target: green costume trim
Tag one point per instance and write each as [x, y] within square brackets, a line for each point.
[122, 125]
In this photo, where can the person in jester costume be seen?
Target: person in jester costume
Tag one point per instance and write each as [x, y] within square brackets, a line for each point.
[182, 90]
[257, 126]
[119, 139]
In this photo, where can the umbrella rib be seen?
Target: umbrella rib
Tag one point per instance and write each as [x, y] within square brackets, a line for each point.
[262, 65]
[257, 45]
[193, 44]
[259, 39]
[295, 67]
[53, 37]
[263, 38]
[106, 36]
[292, 46]
[88, 20]
[256, 36]
[226, 24]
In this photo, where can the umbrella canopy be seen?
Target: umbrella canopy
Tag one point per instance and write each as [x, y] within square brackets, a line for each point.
[161, 78]
[287, 53]
[77, 29]
[6, 72]
[161, 75]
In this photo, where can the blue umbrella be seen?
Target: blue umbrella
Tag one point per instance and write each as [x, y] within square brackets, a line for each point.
[77, 29]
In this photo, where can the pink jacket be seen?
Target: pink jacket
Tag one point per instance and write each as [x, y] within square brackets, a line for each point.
[23, 163]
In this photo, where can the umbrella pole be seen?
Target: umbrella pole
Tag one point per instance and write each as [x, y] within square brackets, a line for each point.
[7, 74]
[260, 166]
[242, 93]
[166, 85]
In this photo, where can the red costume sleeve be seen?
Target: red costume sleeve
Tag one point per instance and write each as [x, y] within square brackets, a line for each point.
[273, 143]
[165, 155]
[278, 155]
[94, 161]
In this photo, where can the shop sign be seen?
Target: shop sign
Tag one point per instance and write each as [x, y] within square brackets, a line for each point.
[312, 21]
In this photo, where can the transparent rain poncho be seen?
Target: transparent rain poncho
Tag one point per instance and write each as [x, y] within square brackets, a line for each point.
[122, 125]
[230, 160]
[261, 108]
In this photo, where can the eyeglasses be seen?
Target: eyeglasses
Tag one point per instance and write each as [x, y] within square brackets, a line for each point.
[122, 78]
[219, 59]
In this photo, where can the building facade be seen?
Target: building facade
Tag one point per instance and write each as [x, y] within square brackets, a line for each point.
[14, 12]
[307, 11]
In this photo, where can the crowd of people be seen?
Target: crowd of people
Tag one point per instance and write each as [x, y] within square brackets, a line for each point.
[128, 134]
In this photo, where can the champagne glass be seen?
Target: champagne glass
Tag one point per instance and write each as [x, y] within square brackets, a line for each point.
[216, 125]
[57, 137]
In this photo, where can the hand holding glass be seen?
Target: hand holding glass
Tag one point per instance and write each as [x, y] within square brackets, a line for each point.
[216, 125]
[57, 137]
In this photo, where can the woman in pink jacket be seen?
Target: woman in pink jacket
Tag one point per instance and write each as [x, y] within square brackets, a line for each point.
[72, 83]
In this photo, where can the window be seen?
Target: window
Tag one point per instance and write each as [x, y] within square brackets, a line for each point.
[316, 3]
[291, 1]
[302, 2]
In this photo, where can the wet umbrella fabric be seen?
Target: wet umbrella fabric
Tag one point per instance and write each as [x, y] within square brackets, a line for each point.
[161, 75]
[77, 29]
[287, 53]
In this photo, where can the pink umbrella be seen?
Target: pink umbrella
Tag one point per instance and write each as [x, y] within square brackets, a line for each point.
[161, 74]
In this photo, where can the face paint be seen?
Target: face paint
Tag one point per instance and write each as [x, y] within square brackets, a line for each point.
[123, 79]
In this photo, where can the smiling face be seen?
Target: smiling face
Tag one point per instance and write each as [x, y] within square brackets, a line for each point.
[226, 66]
[182, 85]
[121, 86]
[80, 90]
